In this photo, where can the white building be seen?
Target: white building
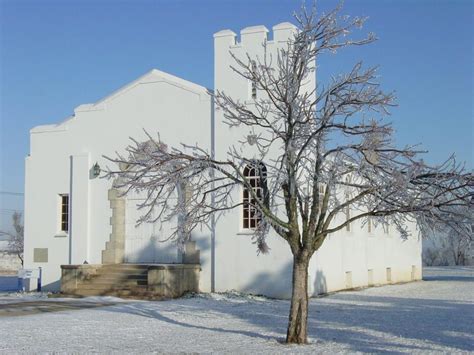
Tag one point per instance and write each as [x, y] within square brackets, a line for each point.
[68, 212]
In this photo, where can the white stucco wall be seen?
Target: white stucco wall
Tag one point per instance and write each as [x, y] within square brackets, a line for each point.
[356, 251]
[62, 155]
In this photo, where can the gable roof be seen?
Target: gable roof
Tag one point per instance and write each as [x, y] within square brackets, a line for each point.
[153, 76]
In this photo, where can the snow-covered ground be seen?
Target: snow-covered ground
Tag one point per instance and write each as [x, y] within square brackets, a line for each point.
[435, 315]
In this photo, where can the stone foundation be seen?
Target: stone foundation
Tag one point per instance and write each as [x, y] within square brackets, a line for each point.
[72, 276]
[154, 281]
[172, 281]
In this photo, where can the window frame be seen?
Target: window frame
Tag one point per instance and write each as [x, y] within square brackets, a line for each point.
[347, 213]
[386, 229]
[248, 220]
[347, 209]
[64, 215]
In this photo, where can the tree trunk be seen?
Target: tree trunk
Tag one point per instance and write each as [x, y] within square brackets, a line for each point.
[298, 320]
[20, 256]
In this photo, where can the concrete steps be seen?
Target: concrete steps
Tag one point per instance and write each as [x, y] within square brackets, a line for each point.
[150, 281]
[122, 280]
[135, 293]
[112, 284]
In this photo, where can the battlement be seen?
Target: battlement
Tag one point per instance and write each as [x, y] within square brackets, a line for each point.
[228, 46]
[255, 35]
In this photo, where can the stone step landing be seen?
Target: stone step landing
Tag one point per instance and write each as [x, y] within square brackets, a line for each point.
[143, 281]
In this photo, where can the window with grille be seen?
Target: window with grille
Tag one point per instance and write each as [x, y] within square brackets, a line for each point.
[348, 217]
[321, 195]
[64, 213]
[321, 189]
[256, 175]
[347, 212]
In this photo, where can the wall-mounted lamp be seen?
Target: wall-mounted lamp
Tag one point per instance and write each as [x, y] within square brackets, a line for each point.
[252, 139]
[96, 170]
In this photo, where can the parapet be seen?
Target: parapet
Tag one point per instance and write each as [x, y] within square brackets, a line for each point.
[283, 31]
[256, 34]
[253, 34]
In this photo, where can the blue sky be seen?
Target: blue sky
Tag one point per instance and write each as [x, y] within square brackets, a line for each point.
[56, 55]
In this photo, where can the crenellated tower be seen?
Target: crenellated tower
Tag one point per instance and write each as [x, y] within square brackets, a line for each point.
[251, 41]
[226, 44]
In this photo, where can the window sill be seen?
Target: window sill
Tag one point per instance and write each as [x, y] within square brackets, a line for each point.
[246, 232]
[61, 235]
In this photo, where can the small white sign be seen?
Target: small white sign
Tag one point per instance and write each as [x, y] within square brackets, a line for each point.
[28, 273]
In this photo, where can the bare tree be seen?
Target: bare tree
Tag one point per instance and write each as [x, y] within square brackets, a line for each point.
[458, 246]
[15, 238]
[451, 239]
[321, 154]
[433, 256]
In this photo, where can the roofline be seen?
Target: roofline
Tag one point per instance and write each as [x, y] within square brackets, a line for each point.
[172, 79]
[202, 91]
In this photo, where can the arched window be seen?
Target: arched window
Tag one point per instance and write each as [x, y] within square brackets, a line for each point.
[256, 175]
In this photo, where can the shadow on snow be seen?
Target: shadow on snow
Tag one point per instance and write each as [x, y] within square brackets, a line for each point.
[363, 322]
